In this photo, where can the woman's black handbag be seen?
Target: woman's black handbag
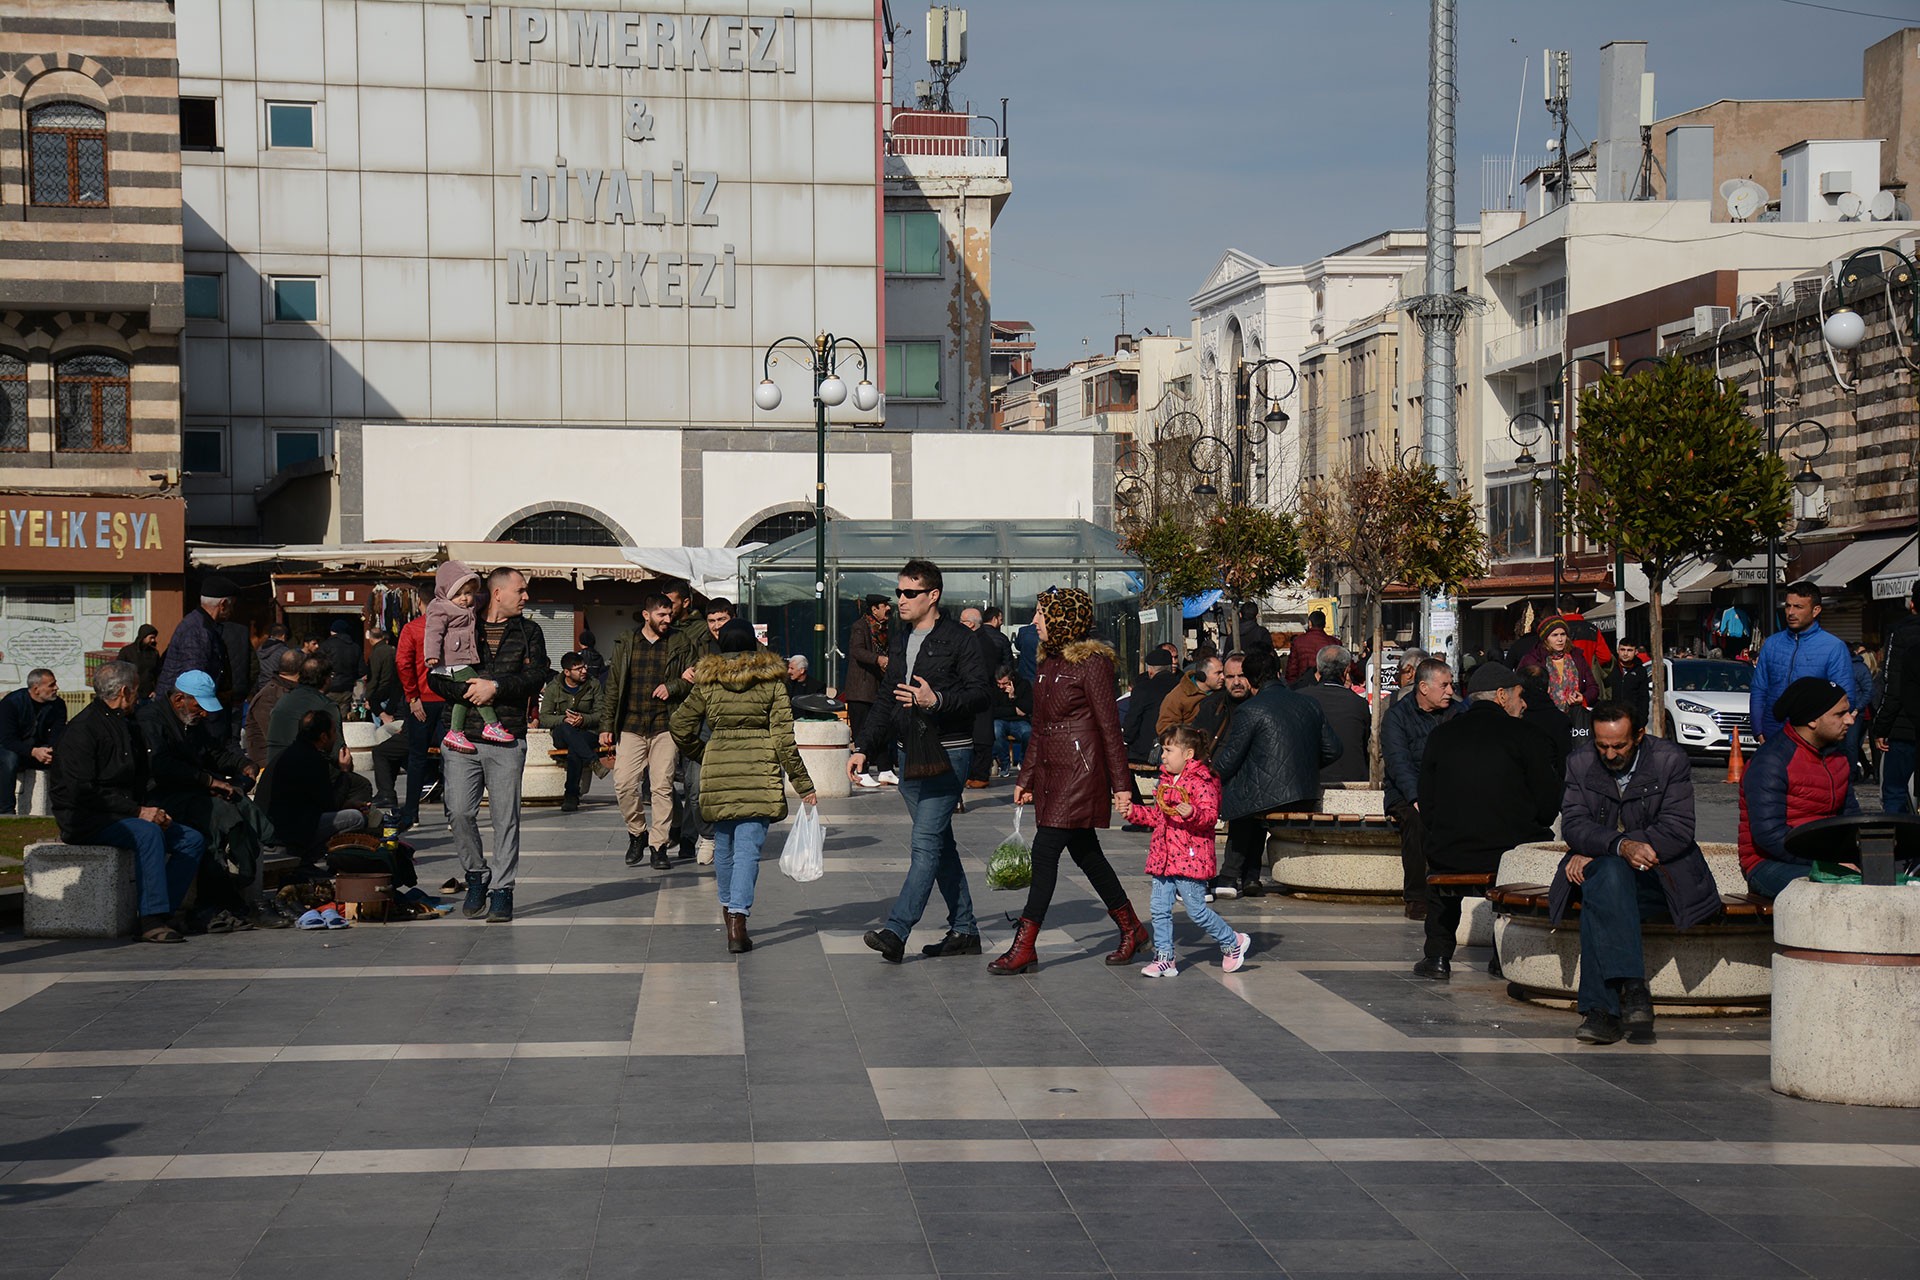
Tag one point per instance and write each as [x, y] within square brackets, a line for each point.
[926, 758]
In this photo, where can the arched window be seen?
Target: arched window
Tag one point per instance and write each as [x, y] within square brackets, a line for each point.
[776, 528]
[559, 529]
[13, 403]
[68, 145]
[91, 400]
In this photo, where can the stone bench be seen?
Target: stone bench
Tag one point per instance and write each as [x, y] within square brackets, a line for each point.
[36, 793]
[1346, 847]
[1722, 963]
[1846, 993]
[80, 891]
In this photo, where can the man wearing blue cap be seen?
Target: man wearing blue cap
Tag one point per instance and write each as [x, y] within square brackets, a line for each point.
[99, 797]
[201, 779]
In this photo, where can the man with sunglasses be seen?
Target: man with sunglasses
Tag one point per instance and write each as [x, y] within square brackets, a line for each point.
[936, 682]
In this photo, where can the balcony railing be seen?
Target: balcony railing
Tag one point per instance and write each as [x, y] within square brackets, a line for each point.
[1540, 339]
[948, 146]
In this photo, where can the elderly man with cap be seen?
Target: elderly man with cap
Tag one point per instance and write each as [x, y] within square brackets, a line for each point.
[1627, 815]
[1799, 775]
[197, 643]
[1488, 782]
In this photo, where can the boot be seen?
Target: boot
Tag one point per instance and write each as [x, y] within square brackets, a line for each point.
[500, 906]
[1134, 936]
[1020, 956]
[737, 939]
[476, 904]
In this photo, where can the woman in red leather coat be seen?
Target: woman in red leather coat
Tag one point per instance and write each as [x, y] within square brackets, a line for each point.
[1075, 773]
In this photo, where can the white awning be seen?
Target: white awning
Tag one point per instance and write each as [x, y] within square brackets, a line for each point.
[368, 554]
[1500, 602]
[1856, 558]
[1897, 577]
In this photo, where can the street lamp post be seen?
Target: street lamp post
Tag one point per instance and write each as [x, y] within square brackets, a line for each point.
[829, 390]
[1526, 459]
[1246, 431]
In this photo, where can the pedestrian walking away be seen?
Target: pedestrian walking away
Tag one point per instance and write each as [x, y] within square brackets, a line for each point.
[511, 671]
[1075, 774]
[739, 724]
[1270, 759]
[923, 722]
[1347, 713]
[1180, 856]
[688, 646]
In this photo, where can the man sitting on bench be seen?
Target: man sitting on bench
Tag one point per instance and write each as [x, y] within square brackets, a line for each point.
[99, 797]
[1627, 817]
[1488, 782]
[298, 792]
[1799, 775]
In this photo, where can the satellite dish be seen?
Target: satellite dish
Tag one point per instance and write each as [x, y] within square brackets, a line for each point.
[1731, 185]
[1746, 199]
[1902, 211]
[1880, 208]
[1850, 204]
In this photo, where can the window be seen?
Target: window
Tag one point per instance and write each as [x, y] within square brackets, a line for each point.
[559, 529]
[13, 403]
[91, 396]
[913, 244]
[913, 370]
[778, 528]
[203, 296]
[1513, 525]
[68, 145]
[1086, 397]
[291, 448]
[203, 451]
[296, 298]
[199, 124]
[290, 126]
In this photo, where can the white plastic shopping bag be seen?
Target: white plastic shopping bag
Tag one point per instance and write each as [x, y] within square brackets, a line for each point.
[805, 856]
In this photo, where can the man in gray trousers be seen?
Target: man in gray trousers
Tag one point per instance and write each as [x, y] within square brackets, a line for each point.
[513, 670]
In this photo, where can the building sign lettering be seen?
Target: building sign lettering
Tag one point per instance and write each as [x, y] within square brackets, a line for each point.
[83, 533]
[631, 41]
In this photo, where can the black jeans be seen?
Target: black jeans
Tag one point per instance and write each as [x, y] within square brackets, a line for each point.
[583, 748]
[1245, 853]
[982, 766]
[1413, 851]
[1083, 844]
[1443, 918]
[422, 736]
[390, 755]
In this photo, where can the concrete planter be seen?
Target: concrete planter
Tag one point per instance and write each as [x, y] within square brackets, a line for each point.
[825, 748]
[1707, 968]
[1846, 993]
[1339, 860]
[543, 780]
[80, 891]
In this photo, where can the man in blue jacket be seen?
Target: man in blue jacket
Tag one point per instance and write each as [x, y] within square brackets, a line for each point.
[1628, 819]
[1803, 649]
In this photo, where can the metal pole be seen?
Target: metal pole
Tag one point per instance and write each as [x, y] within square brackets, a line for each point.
[1437, 407]
[821, 367]
[1769, 414]
[1241, 407]
[1559, 544]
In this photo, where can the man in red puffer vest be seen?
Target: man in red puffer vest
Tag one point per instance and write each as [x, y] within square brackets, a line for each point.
[1799, 775]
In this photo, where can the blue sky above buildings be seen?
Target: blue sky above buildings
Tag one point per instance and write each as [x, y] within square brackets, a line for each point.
[1148, 136]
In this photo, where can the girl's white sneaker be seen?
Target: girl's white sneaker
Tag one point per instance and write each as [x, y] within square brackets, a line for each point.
[1161, 969]
[1233, 957]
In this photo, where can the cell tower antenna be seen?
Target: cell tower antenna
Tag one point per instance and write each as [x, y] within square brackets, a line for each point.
[1123, 308]
[1557, 65]
[946, 51]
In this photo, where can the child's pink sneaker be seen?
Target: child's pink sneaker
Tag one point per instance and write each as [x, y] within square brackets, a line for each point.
[496, 735]
[1161, 969]
[458, 741]
[1233, 957]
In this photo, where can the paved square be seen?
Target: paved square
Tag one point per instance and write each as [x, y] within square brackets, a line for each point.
[600, 1090]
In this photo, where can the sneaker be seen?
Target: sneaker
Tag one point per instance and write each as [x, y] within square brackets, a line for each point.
[1600, 1028]
[1234, 957]
[500, 907]
[1206, 895]
[703, 852]
[458, 741]
[1228, 891]
[888, 778]
[1161, 968]
[498, 736]
[476, 904]
[870, 782]
[1253, 889]
[1636, 1013]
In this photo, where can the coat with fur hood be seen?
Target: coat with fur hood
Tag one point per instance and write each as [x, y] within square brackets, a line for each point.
[743, 697]
[452, 637]
[1076, 759]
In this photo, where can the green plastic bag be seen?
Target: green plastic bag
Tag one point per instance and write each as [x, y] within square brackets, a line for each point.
[1011, 866]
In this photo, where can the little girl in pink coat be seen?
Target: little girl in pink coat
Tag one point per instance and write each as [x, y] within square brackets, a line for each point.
[1181, 857]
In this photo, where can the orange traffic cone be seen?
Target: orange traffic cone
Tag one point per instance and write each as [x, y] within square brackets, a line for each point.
[1736, 762]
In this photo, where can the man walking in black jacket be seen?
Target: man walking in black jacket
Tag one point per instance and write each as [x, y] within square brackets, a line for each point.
[513, 670]
[1346, 711]
[936, 683]
[1270, 759]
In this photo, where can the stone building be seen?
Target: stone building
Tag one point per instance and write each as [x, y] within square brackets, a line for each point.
[92, 531]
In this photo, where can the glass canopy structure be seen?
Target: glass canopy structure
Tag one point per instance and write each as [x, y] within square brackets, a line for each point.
[985, 563]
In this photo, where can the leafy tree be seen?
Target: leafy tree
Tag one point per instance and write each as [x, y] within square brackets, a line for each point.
[1667, 467]
[1243, 551]
[1382, 524]
[1167, 547]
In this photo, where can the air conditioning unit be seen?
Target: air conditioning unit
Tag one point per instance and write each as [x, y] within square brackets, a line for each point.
[1708, 319]
[1836, 182]
[1784, 294]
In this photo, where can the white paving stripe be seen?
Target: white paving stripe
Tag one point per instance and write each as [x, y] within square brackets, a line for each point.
[689, 1009]
[279, 1164]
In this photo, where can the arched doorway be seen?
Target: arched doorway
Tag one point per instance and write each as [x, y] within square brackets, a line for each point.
[558, 529]
[778, 527]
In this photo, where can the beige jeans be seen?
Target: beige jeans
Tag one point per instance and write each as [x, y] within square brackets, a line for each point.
[636, 756]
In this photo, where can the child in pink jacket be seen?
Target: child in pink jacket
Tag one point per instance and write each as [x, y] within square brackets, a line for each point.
[1181, 856]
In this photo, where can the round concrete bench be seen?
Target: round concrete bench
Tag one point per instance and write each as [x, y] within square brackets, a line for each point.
[1347, 847]
[1846, 993]
[825, 748]
[80, 891]
[1721, 964]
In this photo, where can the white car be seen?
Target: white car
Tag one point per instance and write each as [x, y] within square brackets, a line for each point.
[1706, 701]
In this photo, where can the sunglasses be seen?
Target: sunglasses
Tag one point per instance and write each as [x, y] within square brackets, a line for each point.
[911, 593]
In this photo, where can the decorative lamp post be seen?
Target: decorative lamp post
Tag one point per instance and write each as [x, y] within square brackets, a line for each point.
[1248, 431]
[1526, 459]
[1810, 493]
[830, 390]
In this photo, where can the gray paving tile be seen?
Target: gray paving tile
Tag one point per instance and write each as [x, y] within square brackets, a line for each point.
[1719, 1258]
[1843, 1262]
[847, 1258]
[1346, 1254]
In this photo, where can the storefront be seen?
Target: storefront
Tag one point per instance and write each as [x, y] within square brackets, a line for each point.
[78, 577]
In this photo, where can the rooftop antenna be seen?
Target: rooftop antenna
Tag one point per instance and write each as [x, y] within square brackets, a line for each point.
[946, 50]
[1123, 307]
[1643, 181]
[1557, 65]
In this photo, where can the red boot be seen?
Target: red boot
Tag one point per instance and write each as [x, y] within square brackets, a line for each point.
[1134, 936]
[1020, 956]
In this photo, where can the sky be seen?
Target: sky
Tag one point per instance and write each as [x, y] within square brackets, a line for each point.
[1148, 136]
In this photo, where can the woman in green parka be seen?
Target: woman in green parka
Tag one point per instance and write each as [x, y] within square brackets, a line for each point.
[741, 694]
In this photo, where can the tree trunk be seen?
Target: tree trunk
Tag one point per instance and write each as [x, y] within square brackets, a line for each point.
[1376, 699]
[1656, 648]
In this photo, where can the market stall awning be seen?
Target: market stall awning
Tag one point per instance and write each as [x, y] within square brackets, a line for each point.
[1897, 576]
[352, 555]
[1500, 602]
[1861, 556]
